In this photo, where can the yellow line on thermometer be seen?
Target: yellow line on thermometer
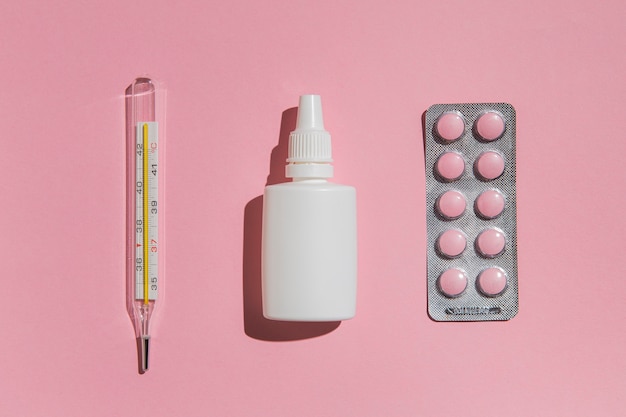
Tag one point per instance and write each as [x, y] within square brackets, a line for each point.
[146, 297]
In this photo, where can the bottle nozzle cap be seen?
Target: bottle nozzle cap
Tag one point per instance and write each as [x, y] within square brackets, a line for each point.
[310, 115]
[310, 142]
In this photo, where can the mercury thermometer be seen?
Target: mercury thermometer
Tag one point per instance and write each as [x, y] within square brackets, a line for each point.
[144, 206]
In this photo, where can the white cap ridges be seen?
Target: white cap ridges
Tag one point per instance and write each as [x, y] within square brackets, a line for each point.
[310, 152]
[309, 147]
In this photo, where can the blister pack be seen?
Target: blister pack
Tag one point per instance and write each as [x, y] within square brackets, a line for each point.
[471, 212]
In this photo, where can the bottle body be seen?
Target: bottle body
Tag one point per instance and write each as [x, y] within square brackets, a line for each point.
[309, 260]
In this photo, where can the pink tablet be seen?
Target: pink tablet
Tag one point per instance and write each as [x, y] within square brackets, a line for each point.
[451, 243]
[450, 126]
[489, 204]
[490, 126]
[450, 166]
[492, 281]
[451, 204]
[489, 165]
[452, 282]
[490, 243]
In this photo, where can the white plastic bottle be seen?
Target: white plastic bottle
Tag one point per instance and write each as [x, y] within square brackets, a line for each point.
[309, 231]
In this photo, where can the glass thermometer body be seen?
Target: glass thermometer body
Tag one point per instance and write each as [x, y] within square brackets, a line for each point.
[143, 212]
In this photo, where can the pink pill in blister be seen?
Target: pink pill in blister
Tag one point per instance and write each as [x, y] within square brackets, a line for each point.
[492, 281]
[490, 165]
[451, 204]
[490, 204]
[450, 126]
[490, 243]
[452, 282]
[450, 166]
[490, 126]
[451, 243]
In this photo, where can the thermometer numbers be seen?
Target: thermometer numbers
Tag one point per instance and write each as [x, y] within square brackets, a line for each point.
[146, 212]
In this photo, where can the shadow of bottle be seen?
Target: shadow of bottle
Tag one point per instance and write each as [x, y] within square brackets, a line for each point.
[255, 324]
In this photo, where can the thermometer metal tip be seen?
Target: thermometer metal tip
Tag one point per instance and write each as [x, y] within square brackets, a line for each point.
[144, 347]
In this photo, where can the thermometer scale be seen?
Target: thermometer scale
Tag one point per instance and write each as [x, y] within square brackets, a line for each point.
[146, 213]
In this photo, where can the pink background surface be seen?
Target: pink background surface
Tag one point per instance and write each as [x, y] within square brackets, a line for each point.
[234, 71]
